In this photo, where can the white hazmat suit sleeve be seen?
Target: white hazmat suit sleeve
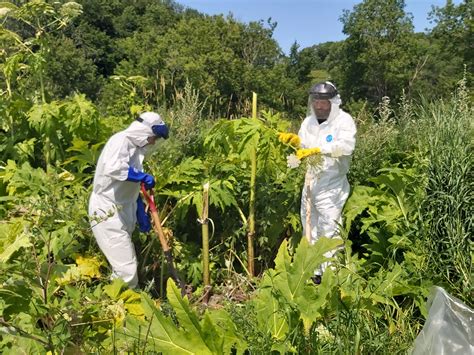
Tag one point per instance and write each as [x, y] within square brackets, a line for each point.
[118, 157]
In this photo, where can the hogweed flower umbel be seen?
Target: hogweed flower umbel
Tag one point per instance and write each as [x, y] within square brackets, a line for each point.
[292, 161]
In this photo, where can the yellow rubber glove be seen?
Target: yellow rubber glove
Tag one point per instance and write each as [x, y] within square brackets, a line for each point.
[303, 153]
[289, 138]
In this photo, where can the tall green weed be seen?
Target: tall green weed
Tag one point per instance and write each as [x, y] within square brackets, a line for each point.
[447, 211]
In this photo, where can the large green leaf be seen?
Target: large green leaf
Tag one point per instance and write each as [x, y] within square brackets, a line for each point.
[21, 241]
[159, 333]
[270, 315]
[44, 118]
[188, 171]
[80, 115]
[287, 287]
[292, 277]
[215, 333]
[24, 180]
[219, 338]
[228, 330]
[114, 289]
[361, 199]
[248, 131]
[82, 154]
[188, 320]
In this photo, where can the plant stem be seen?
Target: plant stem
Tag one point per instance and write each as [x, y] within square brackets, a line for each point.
[251, 219]
[205, 239]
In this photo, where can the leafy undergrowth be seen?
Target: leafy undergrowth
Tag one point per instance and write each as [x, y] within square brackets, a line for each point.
[405, 228]
[285, 313]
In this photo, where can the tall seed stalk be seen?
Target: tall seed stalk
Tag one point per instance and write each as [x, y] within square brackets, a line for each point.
[251, 219]
[205, 240]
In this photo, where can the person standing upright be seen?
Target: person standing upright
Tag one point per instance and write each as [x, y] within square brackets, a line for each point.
[326, 189]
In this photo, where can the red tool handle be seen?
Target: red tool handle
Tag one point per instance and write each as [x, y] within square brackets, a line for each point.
[149, 198]
[161, 236]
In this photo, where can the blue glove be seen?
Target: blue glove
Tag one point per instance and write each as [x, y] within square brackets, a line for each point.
[135, 175]
[143, 218]
[160, 130]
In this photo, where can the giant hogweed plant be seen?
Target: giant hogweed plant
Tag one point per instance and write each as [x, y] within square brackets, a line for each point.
[37, 129]
[23, 68]
[290, 312]
[42, 133]
[48, 264]
[299, 317]
[252, 146]
[56, 124]
[184, 332]
[180, 192]
[363, 299]
[388, 214]
[225, 164]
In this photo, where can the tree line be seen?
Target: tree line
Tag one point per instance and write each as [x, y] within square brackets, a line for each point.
[119, 53]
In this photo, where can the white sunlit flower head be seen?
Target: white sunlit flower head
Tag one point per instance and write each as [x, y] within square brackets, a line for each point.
[292, 161]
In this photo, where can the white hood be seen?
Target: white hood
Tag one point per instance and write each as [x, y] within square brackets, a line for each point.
[138, 132]
[335, 108]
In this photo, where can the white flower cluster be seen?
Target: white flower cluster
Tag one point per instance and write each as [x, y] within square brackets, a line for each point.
[292, 161]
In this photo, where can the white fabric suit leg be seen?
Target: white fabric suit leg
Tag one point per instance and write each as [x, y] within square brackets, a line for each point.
[326, 210]
[114, 239]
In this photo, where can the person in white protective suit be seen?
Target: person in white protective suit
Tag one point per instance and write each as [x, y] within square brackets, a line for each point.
[326, 189]
[115, 205]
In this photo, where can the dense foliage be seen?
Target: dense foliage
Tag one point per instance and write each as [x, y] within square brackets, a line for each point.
[120, 53]
[74, 73]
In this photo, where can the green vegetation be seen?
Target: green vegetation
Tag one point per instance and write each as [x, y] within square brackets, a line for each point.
[75, 73]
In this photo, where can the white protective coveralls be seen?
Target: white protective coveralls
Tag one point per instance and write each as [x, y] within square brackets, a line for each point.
[113, 203]
[328, 186]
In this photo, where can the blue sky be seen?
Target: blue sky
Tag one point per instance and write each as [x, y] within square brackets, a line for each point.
[306, 21]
